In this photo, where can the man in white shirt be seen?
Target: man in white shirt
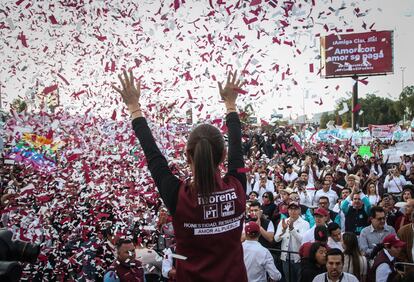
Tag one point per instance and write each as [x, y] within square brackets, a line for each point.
[327, 192]
[383, 268]
[310, 187]
[257, 258]
[305, 197]
[168, 268]
[290, 232]
[263, 184]
[290, 175]
[334, 267]
[321, 217]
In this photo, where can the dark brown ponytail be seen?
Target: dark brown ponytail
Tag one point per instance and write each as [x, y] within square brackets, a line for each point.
[205, 148]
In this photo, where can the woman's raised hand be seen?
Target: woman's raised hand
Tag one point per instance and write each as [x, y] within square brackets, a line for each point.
[231, 90]
[130, 92]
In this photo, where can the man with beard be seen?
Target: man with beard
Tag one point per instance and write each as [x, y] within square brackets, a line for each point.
[334, 267]
[125, 267]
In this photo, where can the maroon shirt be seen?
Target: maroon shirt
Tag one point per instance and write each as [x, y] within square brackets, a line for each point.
[128, 273]
[214, 253]
[208, 233]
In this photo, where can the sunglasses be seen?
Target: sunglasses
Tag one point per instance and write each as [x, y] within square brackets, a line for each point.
[264, 196]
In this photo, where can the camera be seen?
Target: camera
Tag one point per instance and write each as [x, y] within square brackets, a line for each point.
[11, 253]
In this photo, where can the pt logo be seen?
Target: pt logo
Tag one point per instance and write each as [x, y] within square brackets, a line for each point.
[227, 208]
[210, 211]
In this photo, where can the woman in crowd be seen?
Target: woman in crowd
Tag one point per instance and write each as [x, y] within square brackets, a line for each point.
[407, 194]
[268, 205]
[315, 264]
[394, 181]
[253, 196]
[372, 193]
[354, 262]
[210, 256]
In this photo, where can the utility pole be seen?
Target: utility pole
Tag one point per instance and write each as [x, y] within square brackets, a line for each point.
[355, 103]
[1, 104]
[402, 89]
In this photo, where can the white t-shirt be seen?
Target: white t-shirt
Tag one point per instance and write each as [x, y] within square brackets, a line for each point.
[290, 177]
[332, 196]
[347, 277]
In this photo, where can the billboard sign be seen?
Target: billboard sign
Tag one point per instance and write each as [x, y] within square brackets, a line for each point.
[368, 53]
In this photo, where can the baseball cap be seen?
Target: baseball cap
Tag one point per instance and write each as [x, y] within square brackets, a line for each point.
[293, 204]
[321, 211]
[252, 228]
[393, 241]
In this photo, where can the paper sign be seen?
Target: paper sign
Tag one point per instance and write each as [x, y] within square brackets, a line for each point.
[391, 155]
[405, 148]
[364, 151]
[325, 159]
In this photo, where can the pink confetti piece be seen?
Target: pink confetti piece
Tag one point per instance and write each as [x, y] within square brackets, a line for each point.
[176, 4]
[64, 79]
[50, 89]
[310, 67]
[72, 157]
[23, 39]
[356, 108]
[101, 37]
[276, 40]
[364, 80]
[263, 122]
[247, 21]
[53, 19]
[241, 91]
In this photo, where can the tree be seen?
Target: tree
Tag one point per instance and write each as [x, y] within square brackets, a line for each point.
[407, 102]
[376, 110]
[325, 118]
[18, 105]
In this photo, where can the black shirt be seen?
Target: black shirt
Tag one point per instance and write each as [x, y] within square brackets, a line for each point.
[167, 183]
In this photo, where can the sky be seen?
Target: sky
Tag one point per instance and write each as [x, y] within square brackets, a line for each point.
[180, 52]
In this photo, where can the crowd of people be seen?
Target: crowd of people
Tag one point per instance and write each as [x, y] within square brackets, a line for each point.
[307, 207]
[314, 212]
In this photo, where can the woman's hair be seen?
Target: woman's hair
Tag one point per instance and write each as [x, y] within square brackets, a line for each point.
[407, 188]
[351, 249]
[205, 147]
[270, 196]
[368, 187]
[314, 249]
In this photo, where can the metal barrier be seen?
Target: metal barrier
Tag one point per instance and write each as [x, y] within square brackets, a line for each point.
[405, 265]
[289, 253]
